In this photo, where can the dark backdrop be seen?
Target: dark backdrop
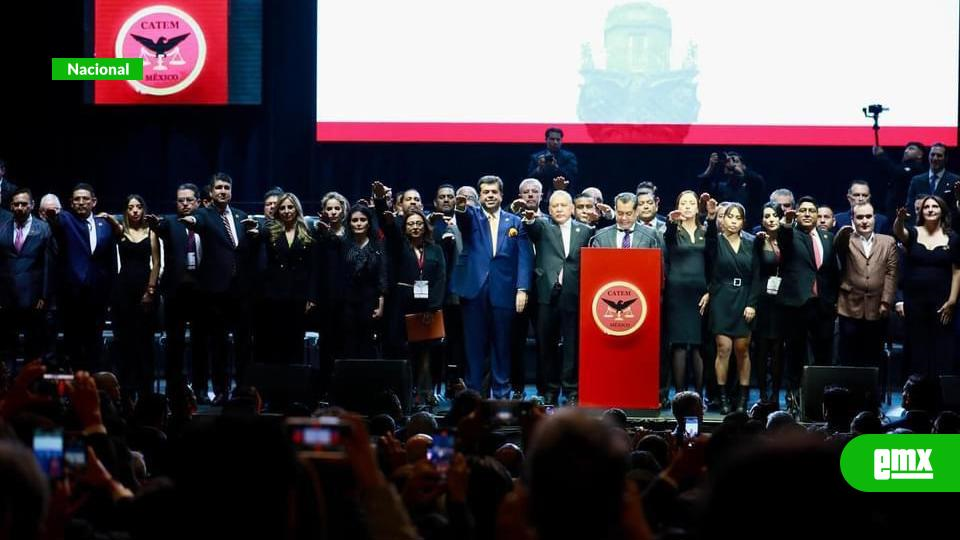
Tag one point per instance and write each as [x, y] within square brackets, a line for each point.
[51, 139]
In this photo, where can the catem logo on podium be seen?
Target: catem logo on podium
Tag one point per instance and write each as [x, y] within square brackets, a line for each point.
[619, 308]
[170, 42]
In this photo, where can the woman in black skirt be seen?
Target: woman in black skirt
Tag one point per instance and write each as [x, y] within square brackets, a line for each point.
[733, 296]
[768, 327]
[420, 270]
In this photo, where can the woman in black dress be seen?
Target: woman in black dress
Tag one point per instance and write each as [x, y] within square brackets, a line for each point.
[289, 283]
[420, 270]
[931, 283]
[133, 305]
[363, 272]
[733, 296]
[768, 327]
[686, 290]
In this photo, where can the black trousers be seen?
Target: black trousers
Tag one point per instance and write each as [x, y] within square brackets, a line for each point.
[226, 312]
[519, 331]
[31, 322]
[82, 312]
[809, 325]
[861, 341]
[182, 307]
[558, 364]
[453, 351]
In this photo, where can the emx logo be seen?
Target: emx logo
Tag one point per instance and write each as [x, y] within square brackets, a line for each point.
[902, 463]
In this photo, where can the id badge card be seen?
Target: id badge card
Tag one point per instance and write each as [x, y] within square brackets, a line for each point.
[421, 289]
[191, 261]
[773, 284]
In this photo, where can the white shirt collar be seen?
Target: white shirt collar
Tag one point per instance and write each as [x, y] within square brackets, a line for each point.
[866, 238]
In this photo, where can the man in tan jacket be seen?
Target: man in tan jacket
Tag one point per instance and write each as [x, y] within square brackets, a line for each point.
[867, 287]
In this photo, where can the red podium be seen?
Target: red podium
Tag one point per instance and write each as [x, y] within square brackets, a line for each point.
[620, 328]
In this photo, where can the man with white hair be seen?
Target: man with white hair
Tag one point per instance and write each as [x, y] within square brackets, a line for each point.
[48, 201]
[529, 197]
[558, 242]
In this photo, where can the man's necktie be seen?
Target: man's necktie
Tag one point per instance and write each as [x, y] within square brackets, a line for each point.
[817, 256]
[192, 248]
[626, 238]
[18, 238]
[933, 184]
[225, 216]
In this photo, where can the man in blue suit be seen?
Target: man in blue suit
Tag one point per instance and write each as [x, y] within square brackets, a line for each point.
[26, 258]
[937, 181]
[492, 279]
[87, 247]
[859, 193]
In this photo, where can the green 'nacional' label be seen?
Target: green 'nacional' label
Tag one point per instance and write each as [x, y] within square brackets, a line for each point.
[97, 69]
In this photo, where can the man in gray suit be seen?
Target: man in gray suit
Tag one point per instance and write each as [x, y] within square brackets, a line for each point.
[627, 233]
[557, 284]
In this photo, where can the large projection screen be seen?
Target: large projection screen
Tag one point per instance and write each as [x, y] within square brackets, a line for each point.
[662, 72]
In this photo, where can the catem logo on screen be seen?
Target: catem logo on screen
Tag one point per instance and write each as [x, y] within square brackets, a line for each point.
[171, 44]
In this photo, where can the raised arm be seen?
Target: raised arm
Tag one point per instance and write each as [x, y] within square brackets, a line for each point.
[900, 225]
[533, 226]
[841, 242]
[461, 213]
[115, 225]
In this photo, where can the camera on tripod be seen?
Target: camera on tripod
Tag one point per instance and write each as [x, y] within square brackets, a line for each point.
[870, 110]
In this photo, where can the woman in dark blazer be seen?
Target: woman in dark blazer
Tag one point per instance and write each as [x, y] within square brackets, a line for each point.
[360, 268]
[415, 259]
[733, 287]
[289, 282]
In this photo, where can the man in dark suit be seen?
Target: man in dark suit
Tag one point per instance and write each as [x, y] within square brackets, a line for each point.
[180, 287]
[87, 249]
[615, 236]
[7, 188]
[897, 176]
[554, 161]
[492, 279]
[937, 181]
[529, 198]
[26, 259]
[808, 290]
[727, 178]
[557, 269]
[224, 273]
[447, 236]
[859, 193]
